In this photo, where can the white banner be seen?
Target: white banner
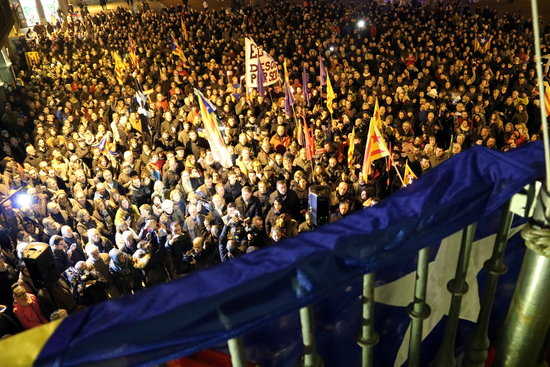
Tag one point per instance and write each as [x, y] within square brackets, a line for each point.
[269, 66]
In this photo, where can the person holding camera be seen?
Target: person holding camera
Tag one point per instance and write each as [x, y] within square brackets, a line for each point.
[121, 268]
[200, 256]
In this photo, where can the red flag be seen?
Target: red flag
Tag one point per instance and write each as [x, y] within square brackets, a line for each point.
[310, 142]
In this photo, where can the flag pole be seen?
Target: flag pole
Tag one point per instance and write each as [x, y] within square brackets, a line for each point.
[389, 161]
[540, 83]
[399, 175]
[294, 114]
[312, 161]
[526, 326]
[270, 97]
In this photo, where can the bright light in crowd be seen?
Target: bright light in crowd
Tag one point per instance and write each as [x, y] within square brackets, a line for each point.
[331, 48]
[361, 23]
[23, 200]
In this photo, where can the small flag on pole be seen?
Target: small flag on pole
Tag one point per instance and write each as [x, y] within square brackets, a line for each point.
[184, 30]
[305, 82]
[322, 72]
[351, 147]
[376, 147]
[134, 59]
[285, 70]
[409, 175]
[120, 67]
[177, 50]
[310, 141]
[261, 79]
[212, 131]
[289, 98]
[330, 95]
[289, 101]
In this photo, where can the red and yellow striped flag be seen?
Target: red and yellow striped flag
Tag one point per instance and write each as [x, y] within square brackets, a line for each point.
[409, 175]
[120, 67]
[376, 147]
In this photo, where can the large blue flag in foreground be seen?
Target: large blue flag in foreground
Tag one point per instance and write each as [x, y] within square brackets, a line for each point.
[258, 295]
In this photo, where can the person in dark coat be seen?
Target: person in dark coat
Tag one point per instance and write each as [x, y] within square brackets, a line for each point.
[178, 244]
[289, 199]
[247, 205]
[60, 258]
[122, 270]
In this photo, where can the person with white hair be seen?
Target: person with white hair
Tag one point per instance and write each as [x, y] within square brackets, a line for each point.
[128, 240]
[98, 262]
[95, 238]
[59, 216]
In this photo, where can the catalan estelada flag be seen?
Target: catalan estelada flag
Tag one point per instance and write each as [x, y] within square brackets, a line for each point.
[132, 48]
[178, 51]
[212, 131]
[376, 147]
[409, 175]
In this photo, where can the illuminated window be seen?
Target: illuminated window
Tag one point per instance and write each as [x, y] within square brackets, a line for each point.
[50, 10]
[30, 12]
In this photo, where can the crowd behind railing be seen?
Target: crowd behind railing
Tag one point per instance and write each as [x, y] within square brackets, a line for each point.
[125, 190]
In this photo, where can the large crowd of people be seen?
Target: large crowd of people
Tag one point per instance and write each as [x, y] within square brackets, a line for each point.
[125, 189]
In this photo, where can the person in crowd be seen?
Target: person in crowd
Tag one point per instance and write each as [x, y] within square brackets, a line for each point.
[123, 273]
[27, 309]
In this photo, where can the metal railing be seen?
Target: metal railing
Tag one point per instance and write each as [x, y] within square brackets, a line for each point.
[527, 322]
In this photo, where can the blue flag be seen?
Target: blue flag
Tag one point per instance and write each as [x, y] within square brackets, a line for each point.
[258, 296]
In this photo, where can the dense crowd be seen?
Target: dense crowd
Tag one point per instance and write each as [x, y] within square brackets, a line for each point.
[124, 187]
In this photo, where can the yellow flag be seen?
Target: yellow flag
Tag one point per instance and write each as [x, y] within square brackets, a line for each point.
[376, 148]
[409, 175]
[33, 58]
[286, 73]
[184, 31]
[330, 95]
[351, 147]
[136, 124]
[120, 67]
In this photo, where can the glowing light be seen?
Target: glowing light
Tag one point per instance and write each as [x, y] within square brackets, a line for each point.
[331, 48]
[361, 23]
[23, 200]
